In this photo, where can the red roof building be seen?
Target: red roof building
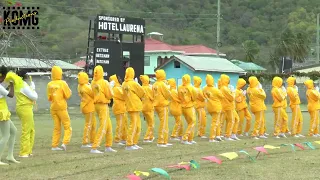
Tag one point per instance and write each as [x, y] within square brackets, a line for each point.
[81, 63]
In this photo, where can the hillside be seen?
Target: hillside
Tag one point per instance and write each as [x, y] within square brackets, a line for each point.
[64, 24]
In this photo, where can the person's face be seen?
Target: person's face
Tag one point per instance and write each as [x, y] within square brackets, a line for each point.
[2, 79]
[120, 80]
[295, 82]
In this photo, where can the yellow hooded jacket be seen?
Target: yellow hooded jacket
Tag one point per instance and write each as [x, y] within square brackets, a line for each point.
[119, 105]
[313, 96]
[228, 100]
[160, 90]
[256, 96]
[58, 90]
[100, 87]
[292, 92]
[200, 101]
[175, 106]
[241, 100]
[213, 95]
[186, 93]
[278, 95]
[147, 102]
[85, 92]
[132, 91]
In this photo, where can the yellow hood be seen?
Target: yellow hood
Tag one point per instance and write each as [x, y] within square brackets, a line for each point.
[186, 80]
[145, 80]
[277, 82]
[172, 83]
[98, 73]
[241, 83]
[129, 74]
[209, 80]
[17, 80]
[197, 81]
[83, 78]
[291, 81]
[115, 79]
[160, 75]
[225, 80]
[309, 84]
[56, 73]
[253, 81]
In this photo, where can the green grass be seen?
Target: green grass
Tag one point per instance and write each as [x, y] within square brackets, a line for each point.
[77, 163]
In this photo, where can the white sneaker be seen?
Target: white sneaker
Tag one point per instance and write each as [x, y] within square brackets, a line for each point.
[241, 135]
[3, 164]
[147, 141]
[213, 141]
[318, 135]
[95, 151]
[246, 134]
[283, 135]
[266, 134]
[229, 139]
[300, 135]
[138, 147]
[175, 139]
[131, 148]
[296, 136]
[186, 142]
[193, 142]
[162, 145]
[109, 149]
[86, 146]
[255, 138]
[234, 137]
[204, 137]
[56, 149]
[168, 144]
[121, 144]
[24, 156]
[64, 147]
[263, 137]
[289, 133]
[314, 136]
[277, 137]
[218, 138]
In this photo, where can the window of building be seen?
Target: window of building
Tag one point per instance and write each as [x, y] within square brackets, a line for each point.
[176, 64]
[147, 61]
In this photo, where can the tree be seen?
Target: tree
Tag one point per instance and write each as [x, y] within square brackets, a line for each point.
[252, 49]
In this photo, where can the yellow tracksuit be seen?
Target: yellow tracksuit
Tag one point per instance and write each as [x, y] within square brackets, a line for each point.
[278, 97]
[200, 107]
[102, 96]
[297, 118]
[187, 96]
[257, 106]
[87, 108]
[175, 110]
[133, 93]
[24, 110]
[228, 104]
[147, 108]
[119, 110]
[161, 98]
[242, 107]
[214, 107]
[313, 97]
[58, 92]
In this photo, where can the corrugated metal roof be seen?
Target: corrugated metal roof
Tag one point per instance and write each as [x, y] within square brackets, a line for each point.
[248, 66]
[36, 63]
[211, 64]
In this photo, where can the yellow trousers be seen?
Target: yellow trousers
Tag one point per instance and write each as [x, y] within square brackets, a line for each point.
[149, 117]
[222, 123]
[280, 117]
[178, 127]
[89, 131]
[215, 124]
[61, 117]
[163, 132]
[297, 120]
[190, 116]
[244, 114]
[286, 121]
[121, 128]
[105, 126]
[259, 124]
[202, 121]
[134, 129]
[236, 122]
[230, 120]
[314, 122]
[25, 114]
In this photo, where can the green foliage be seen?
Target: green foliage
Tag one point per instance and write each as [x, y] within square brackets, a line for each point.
[252, 49]
[314, 75]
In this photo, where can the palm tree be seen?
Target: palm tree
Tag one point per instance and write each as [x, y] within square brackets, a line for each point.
[252, 49]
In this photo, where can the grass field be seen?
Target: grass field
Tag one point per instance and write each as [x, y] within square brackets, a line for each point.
[77, 163]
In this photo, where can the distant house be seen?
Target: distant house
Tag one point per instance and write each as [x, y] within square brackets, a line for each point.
[158, 52]
[249, 66]
[178, 65]
[306, 69]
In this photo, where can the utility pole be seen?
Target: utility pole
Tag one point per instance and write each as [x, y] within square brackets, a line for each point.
[218, 29]
[318, 41]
